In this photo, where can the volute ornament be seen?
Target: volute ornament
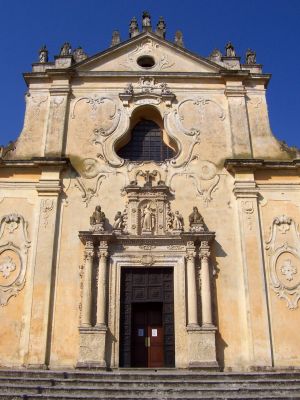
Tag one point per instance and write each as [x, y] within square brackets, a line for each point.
[283, 252]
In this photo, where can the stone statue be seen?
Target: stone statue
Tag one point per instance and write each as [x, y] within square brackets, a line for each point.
[133, 28]
[215, 55]
[229, 49]
[161, 28]
[146, 21]
[147, 219]
[79, 54]
[196, 221]
[178, 221]
[250, 57]
[119, 221]
[97, 220]
[116, 38]
[179, 39]
[65, 49]
[129, 89]
[43, 55]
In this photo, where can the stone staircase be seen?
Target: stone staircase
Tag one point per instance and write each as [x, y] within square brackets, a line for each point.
[147, 384]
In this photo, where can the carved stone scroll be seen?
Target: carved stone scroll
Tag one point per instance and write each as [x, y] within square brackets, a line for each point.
[283, 249]
[14, 244]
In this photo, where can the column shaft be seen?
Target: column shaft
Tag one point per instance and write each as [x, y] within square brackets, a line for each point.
[87, 286]
[191, 287]
[205, 286]
[102, 285]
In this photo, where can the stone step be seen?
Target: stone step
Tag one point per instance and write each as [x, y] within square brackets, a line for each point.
[19, 381]
[144, 392]
[15, 396]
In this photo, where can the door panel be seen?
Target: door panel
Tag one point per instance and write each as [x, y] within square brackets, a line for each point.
[147, 336]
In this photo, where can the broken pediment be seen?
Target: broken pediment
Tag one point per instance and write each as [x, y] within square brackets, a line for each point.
[147, 53]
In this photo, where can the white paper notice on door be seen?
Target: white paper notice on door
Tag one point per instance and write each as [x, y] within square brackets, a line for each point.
[140, 332]
[154, 332]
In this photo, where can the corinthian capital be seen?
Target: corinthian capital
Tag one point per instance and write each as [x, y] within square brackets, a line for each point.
[89, 250]
[103, 249]
[204, 250]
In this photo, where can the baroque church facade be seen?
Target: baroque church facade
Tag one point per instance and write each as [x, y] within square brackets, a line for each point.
[149, 218]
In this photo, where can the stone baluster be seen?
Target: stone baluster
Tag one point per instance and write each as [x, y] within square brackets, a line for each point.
[102, 285]
[87, 285]
[205, 286]
[191, 285]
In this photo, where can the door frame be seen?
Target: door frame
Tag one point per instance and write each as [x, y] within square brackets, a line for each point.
[175, 259]
[164, 295]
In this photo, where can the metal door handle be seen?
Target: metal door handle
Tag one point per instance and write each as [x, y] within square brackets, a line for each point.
[147, 341]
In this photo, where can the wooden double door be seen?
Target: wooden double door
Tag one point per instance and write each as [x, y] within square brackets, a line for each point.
[147, 318]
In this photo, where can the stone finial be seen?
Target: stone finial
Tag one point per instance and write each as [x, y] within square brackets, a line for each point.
[116, 38]
[250, 57]
[179, 39]
[65, 49]
[79, 54]
[161, 28]
[215, 55]
[97, 220]
[133, 28]
[146, 21]
[229, 50]
[43, 54]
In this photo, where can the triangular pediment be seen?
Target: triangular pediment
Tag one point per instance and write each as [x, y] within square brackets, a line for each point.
[167, 57]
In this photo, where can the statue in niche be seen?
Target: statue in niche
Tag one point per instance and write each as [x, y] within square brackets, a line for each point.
[146, 21]
[97, 220]
[65, 49]
[196, 221]
[178, 221]
[250, 57]
[229, 49]
[43, 55]
[148, 222]
[119, 221]
[133, 28]
[161, 28]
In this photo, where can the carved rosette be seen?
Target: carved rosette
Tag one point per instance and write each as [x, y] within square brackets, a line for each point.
[283, 249]
[14, 244]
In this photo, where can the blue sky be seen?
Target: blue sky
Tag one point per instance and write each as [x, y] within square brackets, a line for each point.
[271, 27]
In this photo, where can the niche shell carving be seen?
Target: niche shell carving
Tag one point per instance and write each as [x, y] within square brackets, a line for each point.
[284, 260]
[14, 244]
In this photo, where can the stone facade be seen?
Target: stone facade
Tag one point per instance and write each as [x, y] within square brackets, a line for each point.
[236, 266]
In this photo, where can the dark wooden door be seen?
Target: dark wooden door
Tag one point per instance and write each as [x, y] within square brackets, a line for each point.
[147, 335]
[147, 302]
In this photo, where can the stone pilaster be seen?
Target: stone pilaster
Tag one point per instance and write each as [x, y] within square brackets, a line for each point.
[48, 189]
[55, 133]
[86, 302]
[240, 131]
[258, 338]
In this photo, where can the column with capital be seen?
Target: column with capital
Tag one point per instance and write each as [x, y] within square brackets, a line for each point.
[86, 302]
[205, 286]
[191, 286]
[101, 281]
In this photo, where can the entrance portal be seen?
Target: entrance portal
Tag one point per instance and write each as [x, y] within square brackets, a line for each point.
[147, 318]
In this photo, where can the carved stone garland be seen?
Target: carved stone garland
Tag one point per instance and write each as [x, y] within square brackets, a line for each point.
[283, 249]
[14, 244]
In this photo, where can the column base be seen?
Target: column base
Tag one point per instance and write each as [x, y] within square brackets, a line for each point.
[202, 348]
[92, 347]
